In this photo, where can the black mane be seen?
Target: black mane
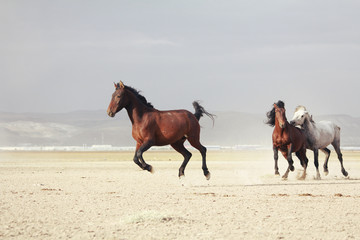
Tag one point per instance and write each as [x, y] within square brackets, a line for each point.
[139, 96]
[271, 114]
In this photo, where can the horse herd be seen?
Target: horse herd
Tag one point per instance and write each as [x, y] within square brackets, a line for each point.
[151, 127]
[300, 134]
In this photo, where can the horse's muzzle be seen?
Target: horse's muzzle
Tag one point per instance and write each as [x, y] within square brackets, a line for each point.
[111, 114]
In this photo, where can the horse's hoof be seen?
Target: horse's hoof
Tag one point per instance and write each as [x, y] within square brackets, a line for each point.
[302, 178]
[182, 180]
[292, 168]
[277, 173]
[208, 176]
[150, 168]
[344, 172]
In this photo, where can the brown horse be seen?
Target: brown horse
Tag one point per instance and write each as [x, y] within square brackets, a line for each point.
[287, 139]
[151, 127]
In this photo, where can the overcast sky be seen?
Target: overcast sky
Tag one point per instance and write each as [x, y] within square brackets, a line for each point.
[61, 56]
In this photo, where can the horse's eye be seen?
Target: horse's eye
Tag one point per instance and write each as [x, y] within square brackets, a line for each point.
[302, 116]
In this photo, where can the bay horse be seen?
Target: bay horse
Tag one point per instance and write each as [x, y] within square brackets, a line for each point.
[151, 127]
[319, 135]
[287, 139]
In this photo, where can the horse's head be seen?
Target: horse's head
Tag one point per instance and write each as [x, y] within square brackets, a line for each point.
[271, 114]
[118, 99]
[280, 115]
[300, 116]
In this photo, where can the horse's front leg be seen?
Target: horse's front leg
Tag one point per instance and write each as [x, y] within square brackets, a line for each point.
[316, 163]
[285, 154]
[301, 154]
[138, 159]
[276, 157]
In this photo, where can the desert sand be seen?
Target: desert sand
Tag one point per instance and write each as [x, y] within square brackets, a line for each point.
[104, 195]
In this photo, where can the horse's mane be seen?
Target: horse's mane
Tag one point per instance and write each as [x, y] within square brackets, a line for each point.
[139, 96]
[271, 114]
[309, 118]
[300, 107]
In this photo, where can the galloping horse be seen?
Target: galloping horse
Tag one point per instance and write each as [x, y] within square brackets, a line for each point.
[319, 136]
[287, 139]
[151, 127]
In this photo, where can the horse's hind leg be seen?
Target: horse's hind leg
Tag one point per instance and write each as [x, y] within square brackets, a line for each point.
[194, 141]
[327, 152]
[179, 147]
[336, 145]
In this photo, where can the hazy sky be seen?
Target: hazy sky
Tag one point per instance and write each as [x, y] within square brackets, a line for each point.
[60, 56]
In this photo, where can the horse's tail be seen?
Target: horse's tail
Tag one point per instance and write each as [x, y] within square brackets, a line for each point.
[199, 112]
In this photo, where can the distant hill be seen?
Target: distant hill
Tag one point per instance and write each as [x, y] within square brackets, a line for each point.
[96, 128]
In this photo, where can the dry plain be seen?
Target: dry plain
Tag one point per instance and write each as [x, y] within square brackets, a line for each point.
[104, 195]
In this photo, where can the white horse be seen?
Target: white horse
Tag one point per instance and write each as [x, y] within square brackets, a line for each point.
[319, 136]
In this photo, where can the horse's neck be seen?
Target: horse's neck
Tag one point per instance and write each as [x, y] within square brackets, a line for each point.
[280, 130]
[135, 109]
[309, 125]
[311, 132]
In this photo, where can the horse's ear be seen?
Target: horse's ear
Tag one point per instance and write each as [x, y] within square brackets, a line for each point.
[116, 85]
[121, 84]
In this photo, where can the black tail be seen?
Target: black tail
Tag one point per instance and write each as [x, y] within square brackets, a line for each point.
[199, 112]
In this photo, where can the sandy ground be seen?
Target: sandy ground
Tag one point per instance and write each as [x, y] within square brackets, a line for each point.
[106, 196]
